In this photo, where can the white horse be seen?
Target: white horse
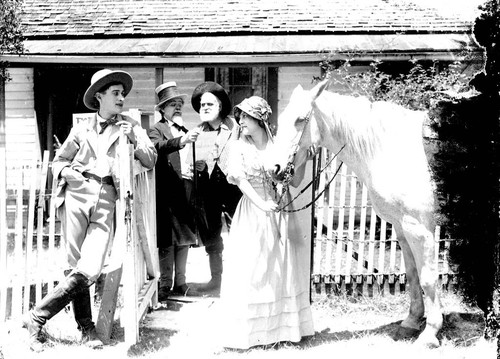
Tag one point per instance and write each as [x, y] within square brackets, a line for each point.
[384, 147]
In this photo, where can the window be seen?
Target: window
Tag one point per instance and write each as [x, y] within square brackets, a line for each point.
[243, 82]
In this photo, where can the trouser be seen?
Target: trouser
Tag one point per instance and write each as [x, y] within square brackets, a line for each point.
[87, 219]
[220, 197]
[173, 262]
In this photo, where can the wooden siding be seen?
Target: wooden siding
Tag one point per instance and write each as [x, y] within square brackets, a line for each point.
[142, 95]
[290, 77]
[22, 142]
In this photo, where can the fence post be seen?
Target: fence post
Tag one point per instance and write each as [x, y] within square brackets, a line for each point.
[3, 235]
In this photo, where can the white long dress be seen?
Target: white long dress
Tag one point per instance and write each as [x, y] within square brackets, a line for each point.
[265, 293]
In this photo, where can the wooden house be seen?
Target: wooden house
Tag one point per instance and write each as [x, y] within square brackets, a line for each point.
[249, 46]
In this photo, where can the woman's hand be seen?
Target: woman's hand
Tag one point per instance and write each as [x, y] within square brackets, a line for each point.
[268, 206]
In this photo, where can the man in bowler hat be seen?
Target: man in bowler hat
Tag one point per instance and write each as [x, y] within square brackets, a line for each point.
[212, 102]
[86, 167]
[174, 178]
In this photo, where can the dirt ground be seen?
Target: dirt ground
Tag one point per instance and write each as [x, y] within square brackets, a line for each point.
[345, 326]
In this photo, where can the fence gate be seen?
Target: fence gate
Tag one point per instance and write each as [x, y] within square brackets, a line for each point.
[32, 254]
[134, 257]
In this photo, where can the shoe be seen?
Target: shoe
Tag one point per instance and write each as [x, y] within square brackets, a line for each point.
[181, 290]
[164, 293]
[91, 339]
[210, 289]
[36, 339]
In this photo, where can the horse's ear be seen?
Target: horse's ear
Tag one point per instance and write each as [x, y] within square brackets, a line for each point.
[318, 89]
[297, 89]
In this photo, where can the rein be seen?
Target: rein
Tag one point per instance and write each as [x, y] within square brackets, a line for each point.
[289, 172]
[286, 189]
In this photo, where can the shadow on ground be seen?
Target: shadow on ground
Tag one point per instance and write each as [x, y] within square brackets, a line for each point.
[463, 329]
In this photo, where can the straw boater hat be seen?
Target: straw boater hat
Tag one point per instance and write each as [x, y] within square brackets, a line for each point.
[215, 89]
[168, 91]
[102, 78]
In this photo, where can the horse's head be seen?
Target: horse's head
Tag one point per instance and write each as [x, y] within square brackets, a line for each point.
[296, 132]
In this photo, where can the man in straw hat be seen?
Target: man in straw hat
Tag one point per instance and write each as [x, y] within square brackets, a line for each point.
[86, 167]
[212, 102]
[174, 178]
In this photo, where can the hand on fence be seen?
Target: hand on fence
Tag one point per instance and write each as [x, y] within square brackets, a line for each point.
[127, 130]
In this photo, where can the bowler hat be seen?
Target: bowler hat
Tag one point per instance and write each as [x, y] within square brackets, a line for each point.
[168, 91]
[102, 78]
[215, 89]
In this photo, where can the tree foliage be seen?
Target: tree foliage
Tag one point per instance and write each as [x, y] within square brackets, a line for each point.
[418, 88]
[11, 37]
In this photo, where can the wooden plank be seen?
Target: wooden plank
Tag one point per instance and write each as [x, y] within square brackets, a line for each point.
[3, 236]
[17, 271]
[140, 207]
[362, 229]
[331, 215]
[340, 228]
[39, 227]
[29, 233]
[350, 229]
[130, 290]
[371, 247]
[107, 310]
[320, 216]
[392, 258]
[52, 230]
[381, 253]
[145, 297]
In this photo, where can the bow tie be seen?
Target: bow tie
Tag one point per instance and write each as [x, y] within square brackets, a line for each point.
[106, 123]
[179, 127]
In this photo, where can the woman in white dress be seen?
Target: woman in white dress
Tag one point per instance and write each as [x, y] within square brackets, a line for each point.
[265, 287]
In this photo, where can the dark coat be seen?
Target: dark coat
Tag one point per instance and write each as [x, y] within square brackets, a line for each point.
[174, 213]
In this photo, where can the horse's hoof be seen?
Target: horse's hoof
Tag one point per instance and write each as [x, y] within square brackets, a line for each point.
[404, 333]
[427, 341]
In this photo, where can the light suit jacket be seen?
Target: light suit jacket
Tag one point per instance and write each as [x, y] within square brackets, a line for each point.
[80, 148]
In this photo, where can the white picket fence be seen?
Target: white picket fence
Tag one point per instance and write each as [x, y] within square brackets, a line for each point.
[355, 250]
[33, 257]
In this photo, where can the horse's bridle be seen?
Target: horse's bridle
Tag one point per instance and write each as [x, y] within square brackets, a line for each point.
[289, 171]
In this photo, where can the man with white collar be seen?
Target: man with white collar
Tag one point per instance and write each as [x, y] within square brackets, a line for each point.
[175, 225]
[212, 102]
[87, 168]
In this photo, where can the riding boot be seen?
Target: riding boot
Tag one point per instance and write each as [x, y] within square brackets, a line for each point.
[212, 288]
[82, 309]
[52, 304]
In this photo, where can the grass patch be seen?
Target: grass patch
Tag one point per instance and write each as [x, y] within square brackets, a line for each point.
[350, 326]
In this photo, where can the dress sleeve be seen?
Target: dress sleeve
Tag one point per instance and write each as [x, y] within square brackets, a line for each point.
[236, 163]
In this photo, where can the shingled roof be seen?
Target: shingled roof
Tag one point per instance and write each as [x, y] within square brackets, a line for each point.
[112, 18]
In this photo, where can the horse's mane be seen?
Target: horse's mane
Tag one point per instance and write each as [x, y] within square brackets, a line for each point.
[363, 124]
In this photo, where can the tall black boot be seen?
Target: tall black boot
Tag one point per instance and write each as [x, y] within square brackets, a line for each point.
[82, 309]
[52, 304]
[212, 288]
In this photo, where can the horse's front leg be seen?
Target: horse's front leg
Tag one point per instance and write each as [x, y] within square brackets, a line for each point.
[420, 240]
